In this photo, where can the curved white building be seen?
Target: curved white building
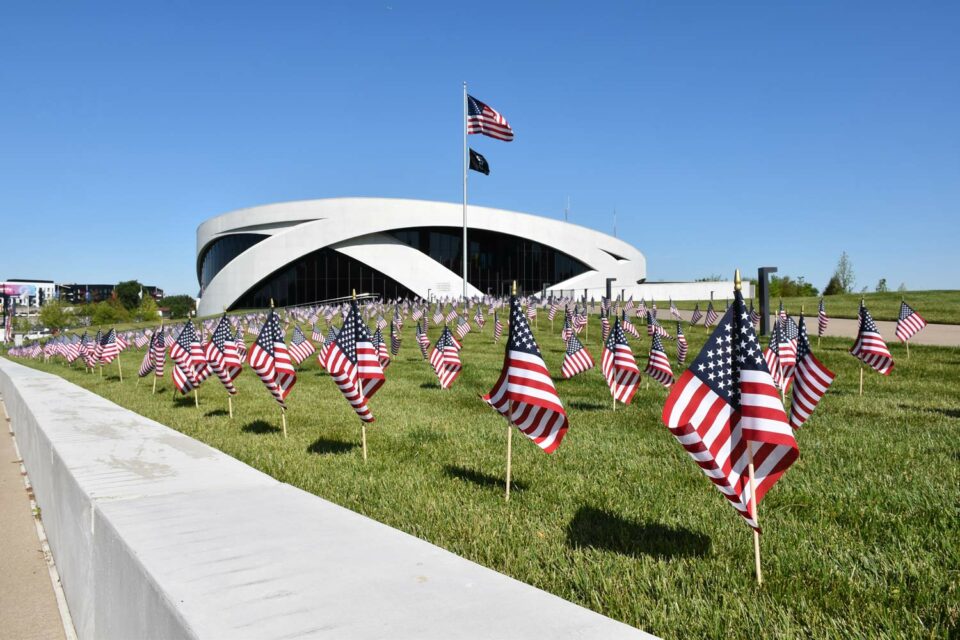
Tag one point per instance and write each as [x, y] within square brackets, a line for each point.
[303, 252]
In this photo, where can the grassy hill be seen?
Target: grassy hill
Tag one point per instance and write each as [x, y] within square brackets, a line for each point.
[860, 536]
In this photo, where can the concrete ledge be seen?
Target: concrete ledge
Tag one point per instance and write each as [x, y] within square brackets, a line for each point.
[159, 536]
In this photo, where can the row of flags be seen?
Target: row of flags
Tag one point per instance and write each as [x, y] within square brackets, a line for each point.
[726, 406]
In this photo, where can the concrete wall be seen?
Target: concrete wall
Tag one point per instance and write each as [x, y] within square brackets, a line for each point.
[156, 535]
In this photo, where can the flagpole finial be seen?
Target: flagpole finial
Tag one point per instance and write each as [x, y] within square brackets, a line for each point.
[354, 294]
[801, 309]
[737, 284]
[514, 287]
[271, 303]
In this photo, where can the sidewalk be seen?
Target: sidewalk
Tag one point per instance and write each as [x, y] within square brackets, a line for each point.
[29, 607]
[941, 335]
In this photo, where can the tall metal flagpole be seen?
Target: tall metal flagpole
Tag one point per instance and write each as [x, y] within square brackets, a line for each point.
[465, 246]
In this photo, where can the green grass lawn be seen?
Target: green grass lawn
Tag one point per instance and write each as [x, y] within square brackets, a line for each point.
[861, 536]
[935, 306]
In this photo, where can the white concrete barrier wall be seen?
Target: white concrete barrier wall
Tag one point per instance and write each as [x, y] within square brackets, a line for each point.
[156, 535]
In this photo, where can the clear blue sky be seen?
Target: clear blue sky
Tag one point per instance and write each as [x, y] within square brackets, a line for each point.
[724, 134]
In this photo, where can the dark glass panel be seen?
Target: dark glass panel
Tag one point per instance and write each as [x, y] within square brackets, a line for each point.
[496, 259]
[221, 251]
[321, 275]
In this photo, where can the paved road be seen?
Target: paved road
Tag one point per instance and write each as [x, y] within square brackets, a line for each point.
[943, 335]
[29, 610]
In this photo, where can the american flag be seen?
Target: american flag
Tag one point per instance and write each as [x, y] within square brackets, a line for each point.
[269, 357]
[524, 394]
[158, 346]
[417, 314]
[394, 339]
[94, 350]
[121, 342]
[531, 309]
[725, 406]
[576, 360]
[629, 306]
[222, 355]
[478, 317]
[788, 345]
[451, 315]
[870, 347]
[554, 307]
[300, 347]
[73, 348]
[481, 118]
[315, 334]
[654, 328]
[579, 319]
[604, 325]
[909, 322]
[437, 315]
[822, 320]
[445, 359]
[772, 357]
[241, 345]
[618, 366]
[497, 327]
[754, 315]
[628, 326]
[642, 309]
[674, 311]
[658, 365]
[711, 318]
[189, 369]
[811, 380]
[331, 336]
[383, 355]
[463, 327]
[567, 331]
[653, 308]
[352, 362]
[140, 339]
[397, 318]
[681, 346]
[423, 341]
[146, 365]
[109, 349]
[695, 317]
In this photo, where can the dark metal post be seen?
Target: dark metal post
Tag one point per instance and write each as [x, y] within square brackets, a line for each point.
[610, 287]
[764, 294]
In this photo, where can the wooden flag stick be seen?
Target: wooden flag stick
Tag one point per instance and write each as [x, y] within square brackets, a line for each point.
[119, 369]
[196, 396]
[907, 343]
[283, 420]
[861, 379]
[509, 459]
[363, 441]
[230, 405]
[753, 513]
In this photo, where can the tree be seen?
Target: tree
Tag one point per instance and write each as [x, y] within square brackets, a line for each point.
[108, 313]
[882, 286]
[833, 287]
[54, 316]
[787, 287]
[844, 273]
[128, 293]
[902, 288]
[179, 306]
[147, 309]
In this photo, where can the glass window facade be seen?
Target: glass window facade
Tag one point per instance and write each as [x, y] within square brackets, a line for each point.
[221, 251]
[321, 275]
[496, 259]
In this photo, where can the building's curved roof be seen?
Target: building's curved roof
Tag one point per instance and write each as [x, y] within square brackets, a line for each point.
[356, 227]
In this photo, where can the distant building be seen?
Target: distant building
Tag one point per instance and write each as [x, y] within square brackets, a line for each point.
[81, 293]
[28, 293]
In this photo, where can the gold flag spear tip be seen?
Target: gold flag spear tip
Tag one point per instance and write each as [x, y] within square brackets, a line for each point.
[737, 284]
[354, 294]
[514, 287]
[271, 303]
